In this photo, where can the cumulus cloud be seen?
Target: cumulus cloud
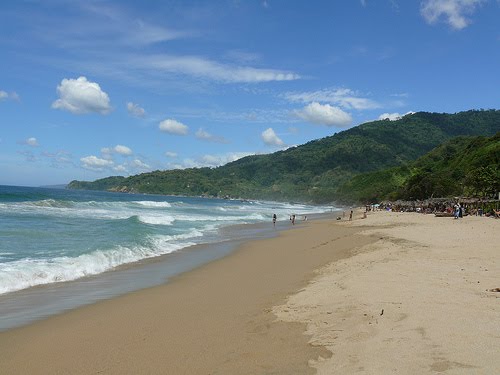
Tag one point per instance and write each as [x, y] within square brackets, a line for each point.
[206, 136]
[92, 162]
[135, 110]
[173, 127]
[393, 116]
[210, 160]
[107, 152]
[270, 138]
[80, 96]
[139, 164]
[454, 12]
[123, 150]
[120, 168]
[170, 154]
[134, 166]
[345, 98]
[324, 114]
[32, 141]
[4, 95]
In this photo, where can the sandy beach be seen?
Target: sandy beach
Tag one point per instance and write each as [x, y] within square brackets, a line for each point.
[393, 293]
[417, 300]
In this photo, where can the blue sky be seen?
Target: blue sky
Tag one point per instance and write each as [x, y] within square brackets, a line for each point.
[90, 89]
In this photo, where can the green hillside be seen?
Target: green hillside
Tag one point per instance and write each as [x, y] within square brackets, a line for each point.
[467, 166]
[315, 171]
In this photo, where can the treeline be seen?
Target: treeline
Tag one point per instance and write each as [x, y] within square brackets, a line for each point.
[335, 168]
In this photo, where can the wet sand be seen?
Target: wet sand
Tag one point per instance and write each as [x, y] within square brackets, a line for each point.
[216, 319]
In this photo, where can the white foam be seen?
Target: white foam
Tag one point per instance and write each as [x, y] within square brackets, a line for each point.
[156, 220]
[153, 204]
[27, 273]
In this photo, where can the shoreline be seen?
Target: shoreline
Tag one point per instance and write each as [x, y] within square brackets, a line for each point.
[217, 317]
[39, 302]
[395, 292]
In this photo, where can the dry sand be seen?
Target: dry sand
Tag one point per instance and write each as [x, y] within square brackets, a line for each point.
[214, 320]
[417, 300]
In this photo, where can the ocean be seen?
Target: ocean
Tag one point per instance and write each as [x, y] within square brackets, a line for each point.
[56, 237]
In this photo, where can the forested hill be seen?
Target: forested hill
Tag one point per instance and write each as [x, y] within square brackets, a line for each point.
[462, 166]
[314, 171]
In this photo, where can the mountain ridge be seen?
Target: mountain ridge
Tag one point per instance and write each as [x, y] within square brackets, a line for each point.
[314, 171]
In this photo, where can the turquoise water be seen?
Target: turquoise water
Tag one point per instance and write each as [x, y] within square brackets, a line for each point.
[50, 236]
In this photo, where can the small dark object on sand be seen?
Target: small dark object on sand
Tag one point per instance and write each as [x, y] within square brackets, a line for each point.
[382, 313]
[495, 290]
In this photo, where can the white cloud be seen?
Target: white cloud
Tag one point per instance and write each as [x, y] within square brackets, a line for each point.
[81, 96]
[5, 95]
[170, 154]
[454, 11]
[123, 150]
[107, 153]
[205, 68]
[94, 163]
[324, 114]
[270, 138]
[345, 98]
[33, 142]
[393, 116]
[211, 160]
[135, 110]
[120, 168]
[59, 158]
[204, 135]
[173, 127]
[138, 164]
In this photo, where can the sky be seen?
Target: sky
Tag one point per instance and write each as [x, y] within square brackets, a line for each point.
[90, 89]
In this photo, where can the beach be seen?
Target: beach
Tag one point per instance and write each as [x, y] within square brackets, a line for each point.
[395, 292]
[420, 299]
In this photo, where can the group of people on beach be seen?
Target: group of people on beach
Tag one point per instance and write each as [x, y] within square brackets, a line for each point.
[292, 219]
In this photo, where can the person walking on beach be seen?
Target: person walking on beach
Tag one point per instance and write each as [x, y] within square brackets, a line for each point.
[274, 220]
[350, 216]
[293, 219]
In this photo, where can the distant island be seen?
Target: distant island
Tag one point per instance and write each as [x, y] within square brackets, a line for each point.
[418, 156]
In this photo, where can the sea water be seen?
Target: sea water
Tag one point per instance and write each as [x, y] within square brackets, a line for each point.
[53, 236]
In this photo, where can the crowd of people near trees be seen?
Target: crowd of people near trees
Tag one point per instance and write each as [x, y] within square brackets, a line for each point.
[457, 208]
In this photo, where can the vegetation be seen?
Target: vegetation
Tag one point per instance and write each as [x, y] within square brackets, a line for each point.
[463, 166]
[335, 168]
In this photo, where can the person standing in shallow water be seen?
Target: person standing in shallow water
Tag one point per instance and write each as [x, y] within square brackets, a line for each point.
[274, 220]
